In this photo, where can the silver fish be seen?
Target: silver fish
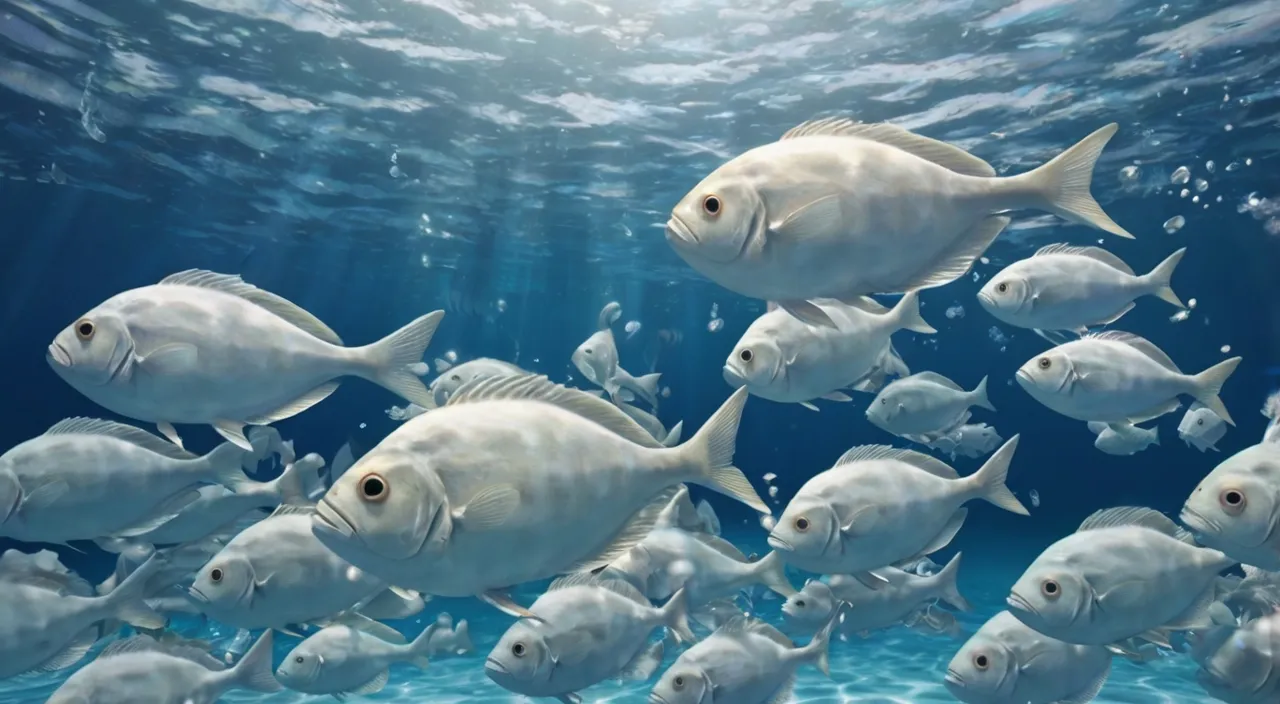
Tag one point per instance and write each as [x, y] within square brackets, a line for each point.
[925, 404]
[452, 376]
[1201, 428]
[449, 638]
[343, 660]
[597, 360]
[1236, 507]
[902, 594]
[1239, 664]
[1123, 438]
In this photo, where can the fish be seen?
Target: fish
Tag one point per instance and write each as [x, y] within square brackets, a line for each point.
[276, 573]
[516, 479]
[878, 506]
[1236, 507]
[840, 209]
[597, 360]
[454, 376]
[713, 670]
[1239, 664]
[1123, 438]
[782, 359]
[969, 440]
[1251, 598]
[681, 513]
[206, 348]
[1117, 376]
[47, 619]
[1006, 662]
[1201, 428]
[449, 638]
[87, 478]
[1127, 572]
[265, 441]
[1064, 287]
[925, 404]
[344, 660]
[142, 670]
[889, 366]
[589, 629]
[865, 609]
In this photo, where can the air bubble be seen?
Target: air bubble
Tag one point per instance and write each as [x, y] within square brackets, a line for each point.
[1174, 224]
[1180, 176]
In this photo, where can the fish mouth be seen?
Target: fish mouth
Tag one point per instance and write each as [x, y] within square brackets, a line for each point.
[1016, 602]
[492, 665]
[954, 678]
[198, 595]
[59, 355]
[779, 544]
[1198, 523]
[655, 698]
[986, 300]
[329, 520]
[679, 233]
[1023, 378]
[733, 378]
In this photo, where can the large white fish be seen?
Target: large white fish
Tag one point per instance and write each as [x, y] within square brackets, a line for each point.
[343, 660]
[925, 405]
[452, 377]
[597, 360]
[201, 347]
[86, 478]
[1239, 665]
[1006, 662]
[589, 629]
[1236, 507]
[1063, 287]
[516, 479]
[1127, 572]
[1123, 438]
[838, 209]
[879, 506]
[1117, 376]
[142, 670]
[783, 359]
[1201, 428]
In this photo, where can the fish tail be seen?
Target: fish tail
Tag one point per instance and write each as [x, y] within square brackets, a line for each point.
[1159, 278]
[711, 453]
[389, 362]
[771, 571]
[462, 636]
[299, 477]
[420, 647]
[1062, 185]
[907, 314]
[980, 396]
[254, 669]
[673, 435]
[949, 589]
[675, 616]
[818, 649]
[226, 465]
[991, 479]
[125, 602]
[647, 387]
[1208, 383]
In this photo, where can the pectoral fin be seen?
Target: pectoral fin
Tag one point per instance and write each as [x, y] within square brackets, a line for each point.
[175, 359]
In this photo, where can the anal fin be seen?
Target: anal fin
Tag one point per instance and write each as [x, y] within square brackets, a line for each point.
[233, 431]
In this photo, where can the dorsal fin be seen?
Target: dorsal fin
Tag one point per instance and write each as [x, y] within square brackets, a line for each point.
[235, 286]
[945, 155]
[143, 644]
[1133, 516]
[120, 431]
[618, 586]
[1141, 344]
[720, 545]
[937, 379]
[293, 510]
[1096, 253]
[919, 460]
[746, 624]
[866, 304]
[531, 387]
[42, 569]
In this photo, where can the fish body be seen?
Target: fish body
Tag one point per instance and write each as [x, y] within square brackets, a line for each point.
[1123, 438]
[1240, 664]
[704, 566]
[866, 609]
[925, 404]
[969, 440]
[342, 660]
[453, 377]
[1201, 428]
[449, 638]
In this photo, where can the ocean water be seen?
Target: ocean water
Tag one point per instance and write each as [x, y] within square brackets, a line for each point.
[513, 163]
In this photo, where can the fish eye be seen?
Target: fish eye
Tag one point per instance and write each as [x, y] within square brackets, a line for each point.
[518, 650]
[711, 205]
[678, 682]
[85, 329]
[216, 575]
[1044, 363]
[981, 661]
[1199, 421]
[298, 659]
[1233, 501]
[800, 603]
[1002, 287]
[374, 488]
[586, 350]
[746, 355]
[802, 524]
[455, 377]
[1051, 589]
[883, 401]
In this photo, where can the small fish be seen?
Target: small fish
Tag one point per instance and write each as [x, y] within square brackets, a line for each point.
[265, 441]
[1117, 376]
[597, 360]
[1063, 287]
[1236, 507]
[343, 660]
[840, 209]
[1201, 428]
[925, 404]
[208, 348]
[142, 670]
[1127, 572]
[970, 440]
[454, 376]
[450, 639]
[1123, 438]
[1006, 662]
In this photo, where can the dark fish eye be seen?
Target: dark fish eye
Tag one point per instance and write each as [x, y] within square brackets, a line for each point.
[802, 524]
[1044, 363]
[981, 662]
[586, 350]
[85, 330]
[800, 603]
[883, 401]
[1199, 421]
[1002, 288]
[746, 355]
[1050, 589]
[712, 205]
[678, 682]
[455, 377]
[1232, 501]
[216, 575]
[518, 650]
[298, 659]
[374, 488]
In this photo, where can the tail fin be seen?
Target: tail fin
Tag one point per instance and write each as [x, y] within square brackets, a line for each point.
[1159, 278]
[254, 669]
[907, 314]
[462, 637]
[420, 647]
[126, 603]
[980, 396]
[226, 467]
[711, 452]
[647, 387]
[772, 573]
[949, 591]
[817, 649]
[390, 360]
[1155, 435]
[1208, 384]
[1064, 182]
[990, 479]
[675, 616]
[299, 480]
[673, 435]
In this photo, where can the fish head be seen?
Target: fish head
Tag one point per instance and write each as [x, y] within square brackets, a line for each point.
[1049, 375]
[300, 667]
[887, 406]
[389, 507]
[1236, 504]
[1241, 664]
[95, 350]
[757, 361]
[983, 670]
[448, 383]
[1050, 596]
[1006, 294]
[811, 606]
[226, 582]
[719, 221]
[683, 683]
[522, 656]
[597, 357]
[808, 526]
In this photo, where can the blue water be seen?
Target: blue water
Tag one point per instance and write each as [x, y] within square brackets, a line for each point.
[512, 163]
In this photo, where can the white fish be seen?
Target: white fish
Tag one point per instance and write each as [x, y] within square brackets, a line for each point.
[1006, 662]
[266, 440]
[838, 209]
[903, 593]
[1117, 376]
[1123, 438]
[879, 505]
[452, 377]
[889, 365]
[1063, 287]
[201, 347]
[785, 360]
[1240, 663]
[86, 478]
[1126, 572]
[516, 479]
[589, 629]
[597, 360]
[1236, 507]
[716, 669]
[971, 440]
[46, 619]
[142, 670]
[276, 573]
[412, 410]
[343, 660]
[450, 639]
[1201, 428]
[925, 404]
